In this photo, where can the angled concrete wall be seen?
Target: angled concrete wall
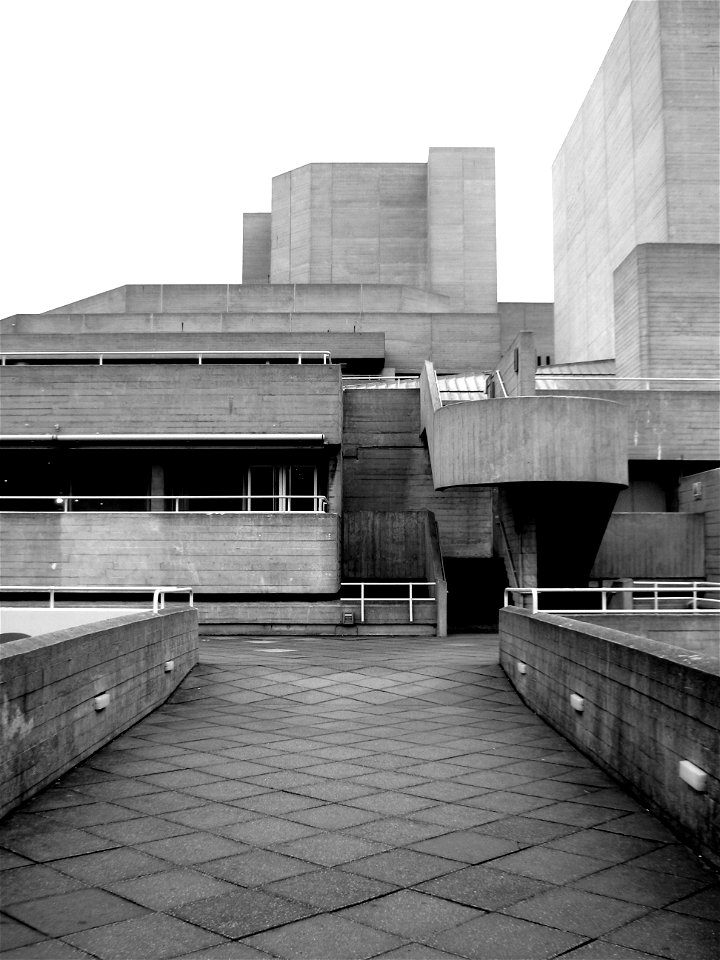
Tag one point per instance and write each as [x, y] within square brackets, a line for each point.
[655, 546]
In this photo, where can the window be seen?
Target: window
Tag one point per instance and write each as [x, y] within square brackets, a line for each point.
[283, 487]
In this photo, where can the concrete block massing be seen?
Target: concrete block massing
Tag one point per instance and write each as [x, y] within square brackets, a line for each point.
[462, 259]
[350, 223]
[639, 164]
[667, 303]
[256, 247]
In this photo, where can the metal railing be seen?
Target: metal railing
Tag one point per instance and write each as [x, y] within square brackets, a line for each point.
[282, 503]
[21, 356]
[643, 596]
[158, 593]
[410, 599]
[364, 382]
[588, 381]
[496, 377]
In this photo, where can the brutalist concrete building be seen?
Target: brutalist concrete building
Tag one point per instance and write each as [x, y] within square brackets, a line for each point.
[358, 437]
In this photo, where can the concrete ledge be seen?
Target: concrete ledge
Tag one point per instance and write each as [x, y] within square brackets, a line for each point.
[692, 632]
[644, 708]
[66, 694]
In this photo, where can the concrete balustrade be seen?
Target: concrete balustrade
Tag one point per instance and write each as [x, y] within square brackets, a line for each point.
[648, 707]
[525, 439]
[67, 693]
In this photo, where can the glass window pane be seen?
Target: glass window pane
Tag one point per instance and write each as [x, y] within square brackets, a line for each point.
[263, 488]
[302, 487]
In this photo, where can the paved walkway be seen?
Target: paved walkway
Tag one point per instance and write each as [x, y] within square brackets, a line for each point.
[336, 799]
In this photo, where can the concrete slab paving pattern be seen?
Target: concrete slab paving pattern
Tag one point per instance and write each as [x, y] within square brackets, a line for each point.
[338, 799]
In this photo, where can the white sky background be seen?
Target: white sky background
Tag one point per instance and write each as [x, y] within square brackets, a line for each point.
[135, 134]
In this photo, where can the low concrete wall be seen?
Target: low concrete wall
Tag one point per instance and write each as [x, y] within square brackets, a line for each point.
[49, 721]
[693, 632]
[646, 707]
[316, 618]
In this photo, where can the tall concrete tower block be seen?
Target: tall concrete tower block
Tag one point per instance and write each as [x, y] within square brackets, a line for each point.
[462, 260]
[425, 225]
[640, 164]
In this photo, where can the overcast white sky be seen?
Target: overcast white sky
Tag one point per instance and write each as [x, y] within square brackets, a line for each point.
[137, 132]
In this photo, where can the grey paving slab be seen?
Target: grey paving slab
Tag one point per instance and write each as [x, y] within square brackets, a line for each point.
[69, 912]
[192, 848]
[466, 846]
[416, 951]
[497, 937]
[381, 797]
[230, 950]
[330, 888]
[326, 936]
[410, 913]
[484, 888]
[95, 869]
[46, 950]
[602, 950]
[577, 911]
[256, 867]
[153, 935]
[641, 886]
[670, 935]
[243, 913]
[35, 880]
[14, 934]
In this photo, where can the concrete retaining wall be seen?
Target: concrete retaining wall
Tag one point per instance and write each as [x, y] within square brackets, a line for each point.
[647, 706]
[694, 633]
[49, 721]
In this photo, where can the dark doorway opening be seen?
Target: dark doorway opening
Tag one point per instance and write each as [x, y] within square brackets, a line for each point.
[475, 593]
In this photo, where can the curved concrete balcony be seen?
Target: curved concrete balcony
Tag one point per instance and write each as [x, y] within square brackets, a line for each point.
[528, 439]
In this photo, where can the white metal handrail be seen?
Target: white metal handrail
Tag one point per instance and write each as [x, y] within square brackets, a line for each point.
[200, 355]
[410, 599]
[365, 381]
[570, 380]
[158, 593]
[605, 376]
[497, 376]
[284, 500]
[689, 592]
